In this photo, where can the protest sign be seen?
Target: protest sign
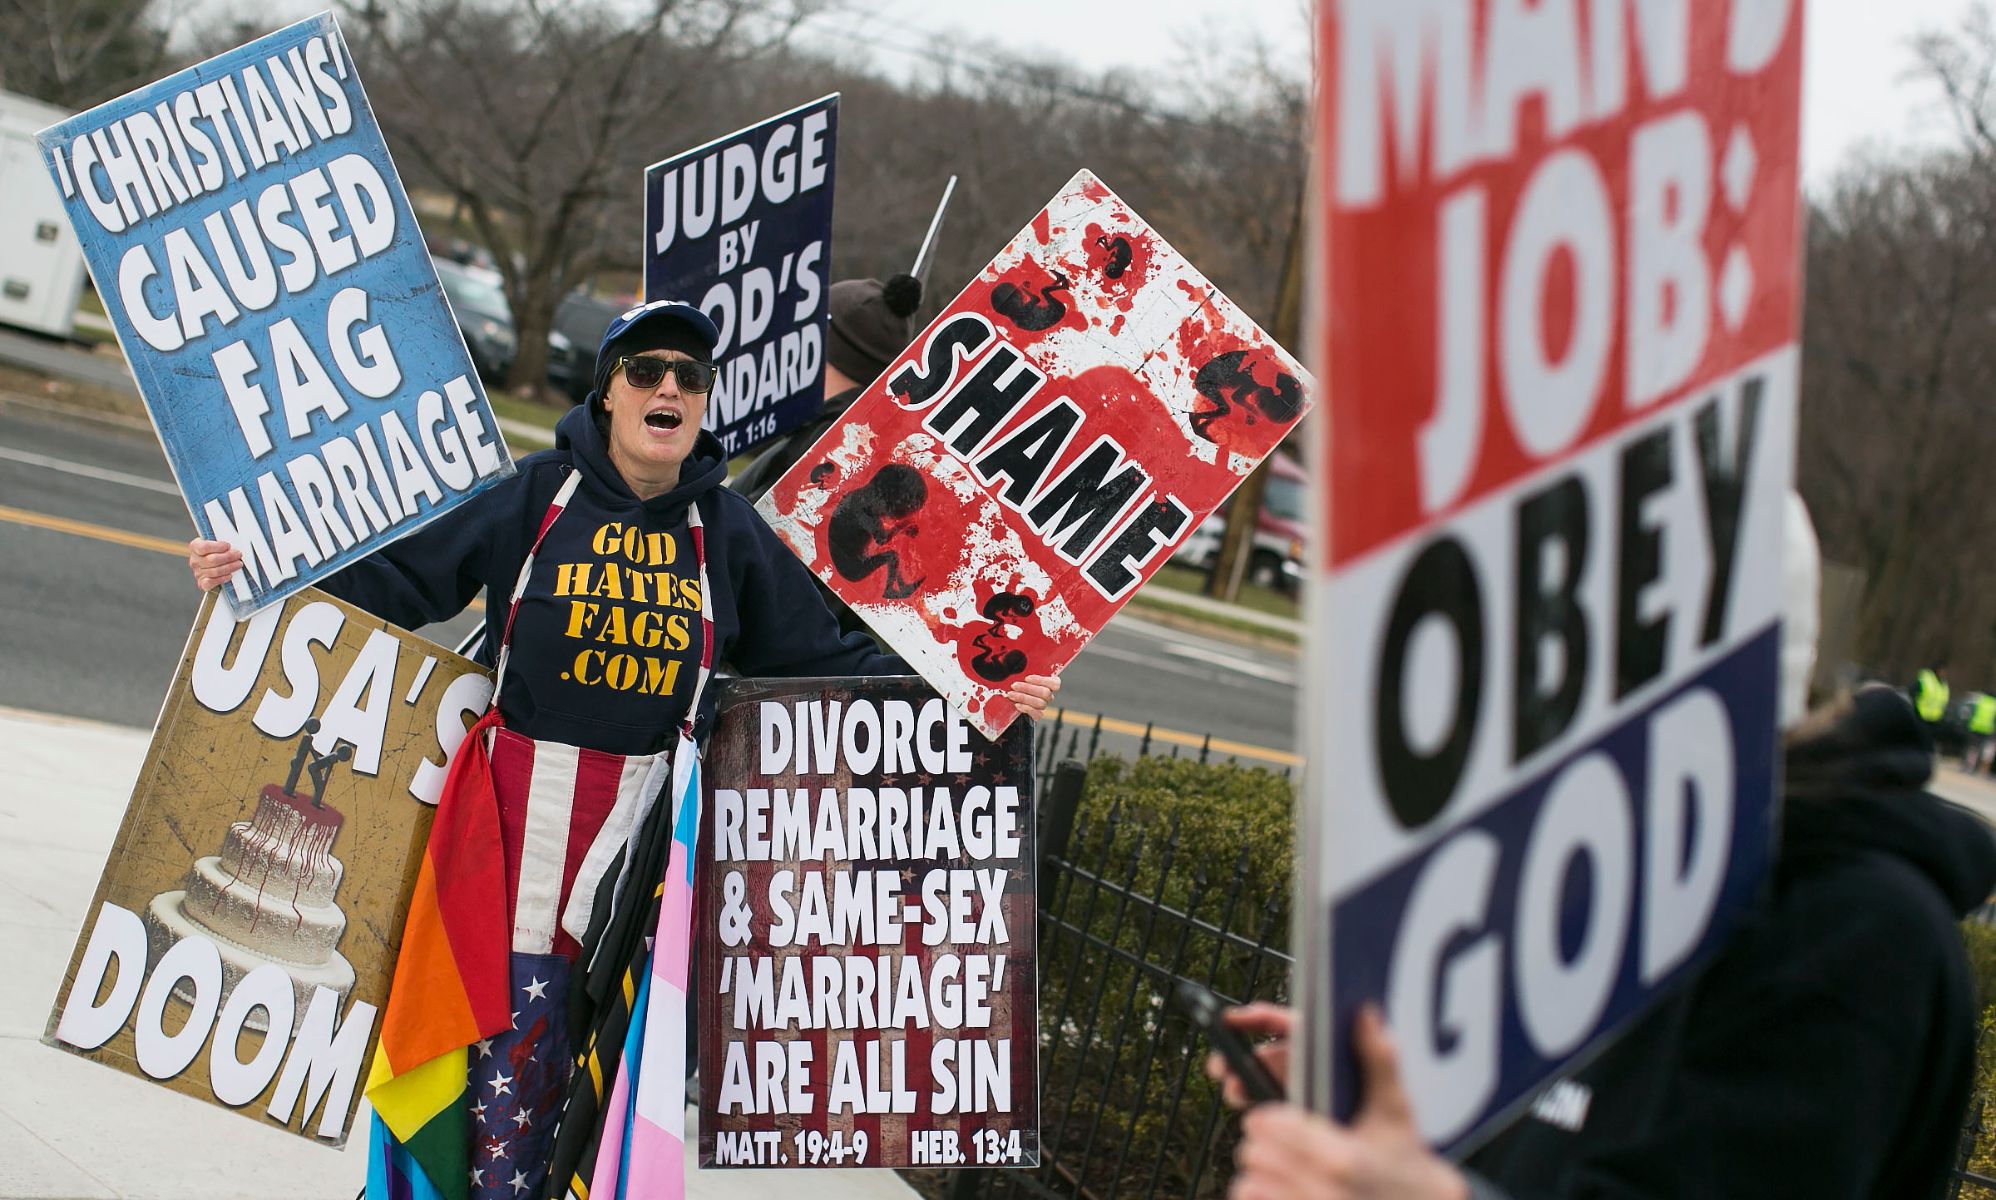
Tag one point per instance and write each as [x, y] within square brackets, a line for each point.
[244, 933]
[992, 500]
[742, 227]
[265, 276]
[867, 987]
[1557, 317]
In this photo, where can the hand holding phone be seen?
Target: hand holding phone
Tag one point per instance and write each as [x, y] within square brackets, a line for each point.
[1206, 1011]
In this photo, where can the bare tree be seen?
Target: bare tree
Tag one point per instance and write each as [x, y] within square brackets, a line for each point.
[1963, 63]
[538, 118]
[76, 53]
[1899, 376]
[1897, 421]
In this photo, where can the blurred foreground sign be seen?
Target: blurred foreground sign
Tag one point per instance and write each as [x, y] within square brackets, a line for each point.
[997, 495]
[262, 267]
[1557, 316]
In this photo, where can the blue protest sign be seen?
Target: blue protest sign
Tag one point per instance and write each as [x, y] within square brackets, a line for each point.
[742, 227]
[266, 278]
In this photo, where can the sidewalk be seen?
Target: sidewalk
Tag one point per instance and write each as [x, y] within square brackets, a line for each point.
[1972, 791]
[71, 1129]
[1154, 596]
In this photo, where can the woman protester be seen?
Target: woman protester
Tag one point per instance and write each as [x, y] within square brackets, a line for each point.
[632, 574]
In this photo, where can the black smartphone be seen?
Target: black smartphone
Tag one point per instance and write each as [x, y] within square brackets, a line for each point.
[1204, 1009]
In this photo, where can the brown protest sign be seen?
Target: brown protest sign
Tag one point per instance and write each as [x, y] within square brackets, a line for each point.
[867, 983]
[243, 935]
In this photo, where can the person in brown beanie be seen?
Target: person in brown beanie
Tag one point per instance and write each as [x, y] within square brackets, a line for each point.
[870, 327]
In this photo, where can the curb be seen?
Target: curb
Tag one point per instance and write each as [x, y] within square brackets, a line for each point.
[112, 416]
[1185, 619]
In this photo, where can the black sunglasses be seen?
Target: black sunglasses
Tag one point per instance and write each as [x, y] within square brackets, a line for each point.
[644, 372]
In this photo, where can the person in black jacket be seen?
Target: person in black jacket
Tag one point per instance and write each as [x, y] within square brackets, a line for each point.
[868, 328]
[1827, 1051]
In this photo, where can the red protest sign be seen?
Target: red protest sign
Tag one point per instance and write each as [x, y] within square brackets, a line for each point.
[993, 499]
[1576, 223]
[1557, 314]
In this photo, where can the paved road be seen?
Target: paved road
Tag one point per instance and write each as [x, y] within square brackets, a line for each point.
[65, 359]
[94, 625]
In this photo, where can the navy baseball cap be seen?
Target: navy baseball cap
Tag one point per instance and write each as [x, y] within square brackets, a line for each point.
[659, 325]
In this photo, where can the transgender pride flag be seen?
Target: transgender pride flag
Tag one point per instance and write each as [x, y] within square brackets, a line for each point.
[653, 1162]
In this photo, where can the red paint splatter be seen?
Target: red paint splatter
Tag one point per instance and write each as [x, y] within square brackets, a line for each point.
[1027, 292]
[1120, 261]
[1243, 429]
[997, 639]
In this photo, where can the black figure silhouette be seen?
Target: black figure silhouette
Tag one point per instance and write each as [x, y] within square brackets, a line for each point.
[820, 473]
[1120, 253]
[1226, 381]
[869, 518]
[319, 767]
[996, 660]
[1028, 311]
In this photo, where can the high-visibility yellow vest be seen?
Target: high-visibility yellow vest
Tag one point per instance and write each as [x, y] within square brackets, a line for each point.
[1932, 701]
[1983, 720]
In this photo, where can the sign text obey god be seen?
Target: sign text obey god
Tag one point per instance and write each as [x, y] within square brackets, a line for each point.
[1559, 242]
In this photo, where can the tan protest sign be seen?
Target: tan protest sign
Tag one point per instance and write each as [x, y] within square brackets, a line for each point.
[244, 933]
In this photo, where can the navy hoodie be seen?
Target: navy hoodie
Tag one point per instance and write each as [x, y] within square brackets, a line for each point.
[606, 649]
[1829, 1050]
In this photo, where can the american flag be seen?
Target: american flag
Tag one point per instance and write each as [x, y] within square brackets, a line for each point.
[518, 1080]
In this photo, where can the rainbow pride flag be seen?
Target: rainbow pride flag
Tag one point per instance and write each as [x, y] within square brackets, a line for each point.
[450, 987]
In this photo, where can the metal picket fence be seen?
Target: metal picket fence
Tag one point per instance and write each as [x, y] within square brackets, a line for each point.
[1126, 1109]
[1079, 740]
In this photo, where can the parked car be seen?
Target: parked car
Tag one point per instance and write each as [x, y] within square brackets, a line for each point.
[579, 323]
[478, 301]
[1277, 559]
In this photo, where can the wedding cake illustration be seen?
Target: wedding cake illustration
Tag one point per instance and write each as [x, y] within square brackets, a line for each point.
[269, 895]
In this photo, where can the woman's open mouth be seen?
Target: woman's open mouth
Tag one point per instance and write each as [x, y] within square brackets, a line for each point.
[664, 419]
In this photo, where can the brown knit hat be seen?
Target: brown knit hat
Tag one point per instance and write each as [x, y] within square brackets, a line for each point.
[869, 324]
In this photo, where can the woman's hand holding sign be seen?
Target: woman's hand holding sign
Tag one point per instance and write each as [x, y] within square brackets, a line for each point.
[213, 563]
[1030, 694]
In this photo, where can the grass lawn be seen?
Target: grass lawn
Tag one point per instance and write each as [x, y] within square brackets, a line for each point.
[515, 407]
[1180, 578]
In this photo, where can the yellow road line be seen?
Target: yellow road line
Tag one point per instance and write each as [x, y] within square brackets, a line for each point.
[117, 537]
[1086, 722]
[99, 533]
[1075, 720]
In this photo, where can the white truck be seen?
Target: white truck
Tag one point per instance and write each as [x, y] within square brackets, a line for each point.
[41, 262]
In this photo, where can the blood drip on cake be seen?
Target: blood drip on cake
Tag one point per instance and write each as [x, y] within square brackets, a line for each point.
[288, 827]
[268, 897]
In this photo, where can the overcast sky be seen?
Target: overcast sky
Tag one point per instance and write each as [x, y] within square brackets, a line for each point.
[1856, 86]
